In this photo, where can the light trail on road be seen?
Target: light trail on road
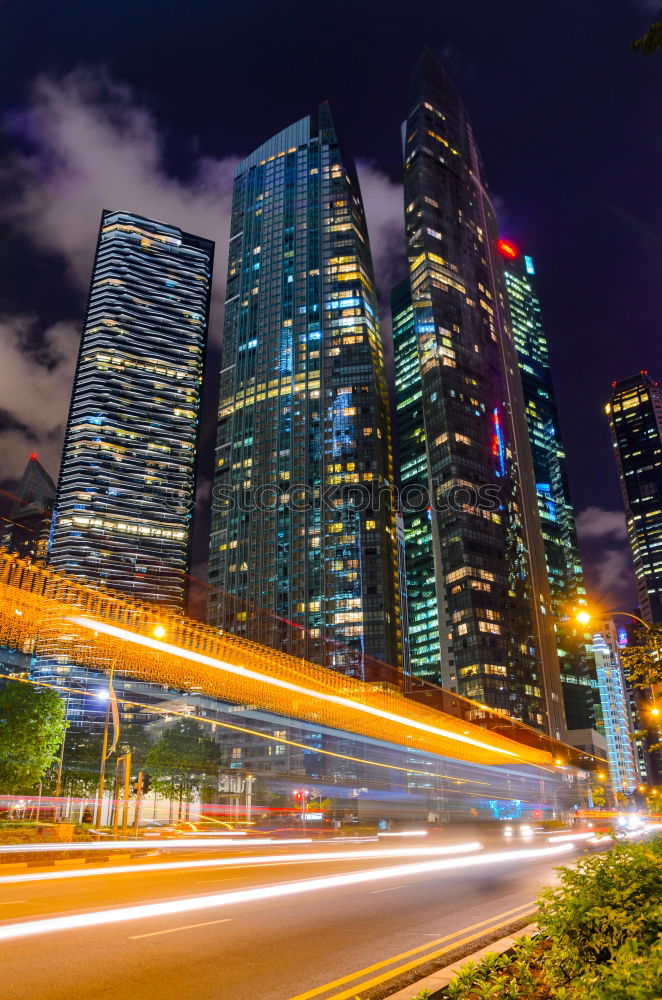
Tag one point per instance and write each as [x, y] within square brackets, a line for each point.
[137, 845]
[88, 920]
[243, 862]
[561, 838]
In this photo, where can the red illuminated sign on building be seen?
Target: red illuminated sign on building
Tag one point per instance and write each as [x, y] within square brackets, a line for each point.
[507, 249]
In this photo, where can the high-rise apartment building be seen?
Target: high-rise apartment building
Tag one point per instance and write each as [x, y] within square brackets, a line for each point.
[635, 418]
[616, 719]
[27, 527]
[303, 550]
[479, 582]
[126, 490]
[564, 568]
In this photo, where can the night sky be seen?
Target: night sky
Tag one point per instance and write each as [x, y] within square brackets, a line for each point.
[146, 105]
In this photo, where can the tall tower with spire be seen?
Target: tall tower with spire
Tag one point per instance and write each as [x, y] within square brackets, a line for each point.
[481, 620]
[27, 526]
[303, 549]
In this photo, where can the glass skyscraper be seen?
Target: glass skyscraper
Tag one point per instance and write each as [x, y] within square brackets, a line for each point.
[479, 604]
[27, 527]
[564, 569]
[125, 496]
[635, 417]
[303, 550]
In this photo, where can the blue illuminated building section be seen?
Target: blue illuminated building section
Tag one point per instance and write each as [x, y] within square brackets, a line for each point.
[564, 568]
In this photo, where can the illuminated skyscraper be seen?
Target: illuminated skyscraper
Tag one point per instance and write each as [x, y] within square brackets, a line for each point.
[616, 719]
[564, 569]
[635, 417]
[126, 490]
[27, 527]
[303, 551]
[479, 545]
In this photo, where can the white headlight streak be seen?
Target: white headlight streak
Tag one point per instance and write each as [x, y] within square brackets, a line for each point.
[117, 915]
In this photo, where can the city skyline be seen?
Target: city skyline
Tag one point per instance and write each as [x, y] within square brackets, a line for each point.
[330, 499]
[78, 138]
[541, 505]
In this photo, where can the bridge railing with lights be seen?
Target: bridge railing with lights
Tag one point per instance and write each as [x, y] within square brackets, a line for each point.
[46, 613]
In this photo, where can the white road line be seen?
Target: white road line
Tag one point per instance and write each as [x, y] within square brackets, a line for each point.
[391, 888]
[186, 927]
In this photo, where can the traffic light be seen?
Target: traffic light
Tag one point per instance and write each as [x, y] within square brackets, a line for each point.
[146, 782]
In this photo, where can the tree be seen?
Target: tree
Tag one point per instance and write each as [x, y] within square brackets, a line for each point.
[643, 660]
[80, 763]
[32, 727]
[650, 42]
[182, 761]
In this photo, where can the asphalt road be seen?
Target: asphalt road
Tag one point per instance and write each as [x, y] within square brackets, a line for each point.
[273, 948]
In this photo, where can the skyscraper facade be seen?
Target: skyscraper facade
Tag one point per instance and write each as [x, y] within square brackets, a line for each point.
[564, 568]
[635, 418]
[424, 637]
[27, 528]
[616, 719]
[126, 490]
[482, 542]
[303, 522]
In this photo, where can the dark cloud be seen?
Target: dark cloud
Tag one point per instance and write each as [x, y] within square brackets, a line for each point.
[595, 522]
[604, 542]
[84, 143]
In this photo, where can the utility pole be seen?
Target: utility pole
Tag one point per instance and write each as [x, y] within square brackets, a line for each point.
[139, 795]
[122, 781]
[58, 786]
[104, 751]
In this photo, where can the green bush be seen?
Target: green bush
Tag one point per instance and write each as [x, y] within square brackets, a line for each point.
[600, 937]
[603, 902]
[635, 973]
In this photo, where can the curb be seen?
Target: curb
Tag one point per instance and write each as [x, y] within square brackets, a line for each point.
[438, 981]
[80, 862]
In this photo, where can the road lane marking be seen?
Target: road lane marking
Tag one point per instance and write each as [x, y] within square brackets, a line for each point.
[86, 920]
[391, 888]
[186, 927]
[6, 902]
[412, 951]
[428, 957]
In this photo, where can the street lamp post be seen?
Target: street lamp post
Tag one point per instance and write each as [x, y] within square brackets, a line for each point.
[109, 695]
[58, 786]
[584, 617]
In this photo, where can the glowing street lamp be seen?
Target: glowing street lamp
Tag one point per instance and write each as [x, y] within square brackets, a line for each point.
[159, 632]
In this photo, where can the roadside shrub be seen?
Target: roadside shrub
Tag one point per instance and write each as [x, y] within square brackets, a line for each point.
[635, 974]
[601, 903]
[600, 937]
